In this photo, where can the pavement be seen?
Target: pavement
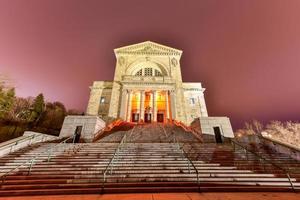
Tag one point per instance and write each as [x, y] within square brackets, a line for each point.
[168, 196]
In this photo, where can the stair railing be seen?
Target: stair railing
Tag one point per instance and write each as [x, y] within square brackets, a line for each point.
[195, 132]
[189, 162]
[109, 167]
[262, 159]
[11, 145]
[164, 130]
[32, 161]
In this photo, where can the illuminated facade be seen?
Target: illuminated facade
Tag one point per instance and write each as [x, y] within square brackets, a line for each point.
[147, 87]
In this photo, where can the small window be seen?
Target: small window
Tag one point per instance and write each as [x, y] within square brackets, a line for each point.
[139, 73]
[148, 71]
[157, 73]
[102, 100]
[192, 101]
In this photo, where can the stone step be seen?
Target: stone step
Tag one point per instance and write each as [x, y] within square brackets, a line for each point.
[104, 164]
[156, 178]
[132, 171]
[146, 167]
[36, 179]
[135, 189]
[98, 185]
[124, 172]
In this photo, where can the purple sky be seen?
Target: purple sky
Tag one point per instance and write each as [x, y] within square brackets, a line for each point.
[245, 52]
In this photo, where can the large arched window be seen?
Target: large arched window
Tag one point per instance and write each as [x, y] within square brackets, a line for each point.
[148, 71]
[146, 68]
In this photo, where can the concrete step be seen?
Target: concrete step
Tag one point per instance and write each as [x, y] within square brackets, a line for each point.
[143, 167]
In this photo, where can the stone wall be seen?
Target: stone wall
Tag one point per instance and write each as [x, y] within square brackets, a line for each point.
[194, 101]
[90, 126]
[208, 123]
[99, 89]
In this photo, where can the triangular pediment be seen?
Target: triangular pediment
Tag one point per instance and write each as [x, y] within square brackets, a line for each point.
[147, 48]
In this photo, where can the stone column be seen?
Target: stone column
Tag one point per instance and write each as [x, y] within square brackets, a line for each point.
[154, 107]
[173, 104]
[202, 105]
[142, 106]
[128, 118]
[124, 103]
[167, 105]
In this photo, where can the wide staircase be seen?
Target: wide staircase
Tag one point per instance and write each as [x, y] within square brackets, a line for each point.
[135, 161]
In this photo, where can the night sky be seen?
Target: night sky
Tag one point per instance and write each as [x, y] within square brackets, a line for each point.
[245, 52]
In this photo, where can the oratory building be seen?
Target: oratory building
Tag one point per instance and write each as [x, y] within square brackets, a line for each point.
[148, 87]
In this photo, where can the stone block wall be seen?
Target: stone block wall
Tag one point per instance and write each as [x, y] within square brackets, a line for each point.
[208, 123]
[90, 126]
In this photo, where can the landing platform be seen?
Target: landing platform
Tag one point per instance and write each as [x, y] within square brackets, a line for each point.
[168, 196]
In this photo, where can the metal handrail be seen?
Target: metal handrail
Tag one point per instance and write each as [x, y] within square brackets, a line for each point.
[184, 154]
[31, 162]
[109, 167]
[14, 143]
[264, 159]
[164, 130]
[278, 142]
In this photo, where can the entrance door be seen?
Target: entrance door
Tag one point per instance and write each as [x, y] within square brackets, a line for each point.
[160, 117]
[218, 135]
[135, 117]
[77, 134]
[147, 117]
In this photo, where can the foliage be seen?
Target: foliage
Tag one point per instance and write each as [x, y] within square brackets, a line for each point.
[251, 128]
[22, 109]
[53, 116]
[18, 114]
[287, 132]
[74, 112]
[38, 108]
[7, 99]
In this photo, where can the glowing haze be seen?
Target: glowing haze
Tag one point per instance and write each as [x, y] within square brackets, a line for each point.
[245, 52]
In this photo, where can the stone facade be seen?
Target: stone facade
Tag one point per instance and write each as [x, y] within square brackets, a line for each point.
[207, 125]
[147, 86]
[90, 126]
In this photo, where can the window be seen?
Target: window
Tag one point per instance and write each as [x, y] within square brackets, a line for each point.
[192, 101]
[139, 73]
[148, 71]
[102, 100]
[157, 73]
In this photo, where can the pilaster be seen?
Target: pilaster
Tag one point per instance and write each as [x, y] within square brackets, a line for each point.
[124, 103]
[154, 107]
[142, 105]
[128, 118]
[167, 105]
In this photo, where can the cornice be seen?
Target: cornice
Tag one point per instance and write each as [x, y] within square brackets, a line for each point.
[147, 48]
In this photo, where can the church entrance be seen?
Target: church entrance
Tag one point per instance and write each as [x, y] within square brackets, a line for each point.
[147, 117]
[148, 106]
[218, 135]
[160, 117]
[135, 117]
[77, 134]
